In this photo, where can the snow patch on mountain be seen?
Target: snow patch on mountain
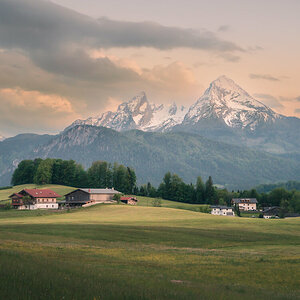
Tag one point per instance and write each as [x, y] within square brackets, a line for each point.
[138, 113]
[2, 138]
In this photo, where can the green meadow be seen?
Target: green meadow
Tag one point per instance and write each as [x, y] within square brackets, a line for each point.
[144, 252]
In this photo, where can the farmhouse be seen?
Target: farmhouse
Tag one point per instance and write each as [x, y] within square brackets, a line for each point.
[222, 210]
[245, 203]
[272, 212]
[88, 197]
[38, 199]
[129, 200]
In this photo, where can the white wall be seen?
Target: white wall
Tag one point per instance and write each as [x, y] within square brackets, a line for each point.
[40, 206]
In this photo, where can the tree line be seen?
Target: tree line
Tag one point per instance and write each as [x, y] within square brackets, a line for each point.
[102, 174]
[174, 188]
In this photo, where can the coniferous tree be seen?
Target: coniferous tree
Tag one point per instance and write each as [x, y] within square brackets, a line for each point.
[200, 191]
[210, 191]
[131, 180]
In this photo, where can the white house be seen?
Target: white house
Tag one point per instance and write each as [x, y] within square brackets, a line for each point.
[222, 210]
[245, 204]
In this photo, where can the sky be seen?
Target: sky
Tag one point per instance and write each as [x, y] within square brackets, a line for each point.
[62, 60]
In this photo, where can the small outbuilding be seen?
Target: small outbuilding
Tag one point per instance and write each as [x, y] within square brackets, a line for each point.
[129, 200]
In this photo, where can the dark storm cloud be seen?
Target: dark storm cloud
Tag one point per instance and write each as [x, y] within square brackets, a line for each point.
[29, 24]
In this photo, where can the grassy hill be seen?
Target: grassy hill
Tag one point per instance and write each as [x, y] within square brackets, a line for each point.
[140, 252]
[60, 189]
[147, 201]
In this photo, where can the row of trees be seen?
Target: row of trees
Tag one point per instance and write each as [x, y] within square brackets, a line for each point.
[173, 188]
[67, 172]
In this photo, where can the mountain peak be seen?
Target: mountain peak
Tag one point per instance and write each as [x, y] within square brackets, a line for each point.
[228, 102]
[225, 83]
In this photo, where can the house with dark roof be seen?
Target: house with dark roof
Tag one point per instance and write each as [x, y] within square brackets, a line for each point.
[245, 204]
[88, 197]
[221, 210]
[272, 212]
[38, 199]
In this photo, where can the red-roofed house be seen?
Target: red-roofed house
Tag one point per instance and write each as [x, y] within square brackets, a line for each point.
[129, 200]
[40, 199]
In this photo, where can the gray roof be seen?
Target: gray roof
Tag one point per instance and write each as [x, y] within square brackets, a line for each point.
[244, 200]
[100, 191]
[96, 191]
[221, 207]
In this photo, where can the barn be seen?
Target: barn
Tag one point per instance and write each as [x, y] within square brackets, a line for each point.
[87, 197]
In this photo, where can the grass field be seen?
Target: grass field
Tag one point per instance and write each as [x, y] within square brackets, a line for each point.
[127, 252]
[147, 201]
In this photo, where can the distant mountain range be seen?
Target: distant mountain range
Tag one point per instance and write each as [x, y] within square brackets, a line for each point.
[225, 134]
[225, 113]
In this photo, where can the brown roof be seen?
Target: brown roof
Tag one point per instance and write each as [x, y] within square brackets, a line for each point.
[16, 194]
[128, 198]
[45, 193]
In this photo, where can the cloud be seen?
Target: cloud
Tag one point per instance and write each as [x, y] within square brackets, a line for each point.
[229, 57]
[297, 110]
[269, 100]
[30, 24]
[223, 28]
[298, 98]
[32, 110]
[264, 77]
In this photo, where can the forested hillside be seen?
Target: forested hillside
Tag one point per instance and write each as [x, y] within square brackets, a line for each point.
[153, 154]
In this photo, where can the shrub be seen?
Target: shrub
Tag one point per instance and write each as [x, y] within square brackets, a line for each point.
[156, 202]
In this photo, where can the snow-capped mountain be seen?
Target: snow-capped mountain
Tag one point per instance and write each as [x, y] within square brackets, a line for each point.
[2, 138]
[225, 100]
[225, 112]
[138, 113]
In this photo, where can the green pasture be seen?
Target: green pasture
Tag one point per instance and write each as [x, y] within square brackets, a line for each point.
[144, 252]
